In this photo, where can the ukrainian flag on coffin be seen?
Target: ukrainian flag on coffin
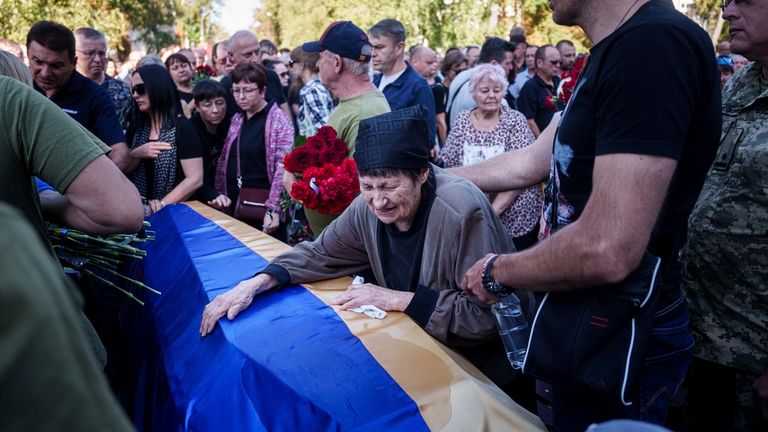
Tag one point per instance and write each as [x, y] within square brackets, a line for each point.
[291, 362]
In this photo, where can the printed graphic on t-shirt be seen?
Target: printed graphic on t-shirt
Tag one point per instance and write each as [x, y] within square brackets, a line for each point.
[477, 153]
[561, 161]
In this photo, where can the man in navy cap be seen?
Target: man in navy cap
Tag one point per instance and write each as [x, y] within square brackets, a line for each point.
[345, 55]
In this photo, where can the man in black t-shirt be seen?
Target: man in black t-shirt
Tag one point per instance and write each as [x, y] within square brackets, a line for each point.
[538, 98]
[629, 157]
[424, 61]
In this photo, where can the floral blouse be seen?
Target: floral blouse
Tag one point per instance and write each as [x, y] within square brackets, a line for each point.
[466, 146]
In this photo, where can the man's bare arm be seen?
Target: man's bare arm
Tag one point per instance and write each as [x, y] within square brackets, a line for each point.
[99, 200]
[516, 169]
[121, 156]
[534, 128]
[607, 241]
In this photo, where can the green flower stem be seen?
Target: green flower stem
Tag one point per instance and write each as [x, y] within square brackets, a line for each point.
[108, 283]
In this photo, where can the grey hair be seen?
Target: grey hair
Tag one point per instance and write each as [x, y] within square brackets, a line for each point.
[493, 72]
[148, 60]
[354, 67]
[89, 33]
[11, 66]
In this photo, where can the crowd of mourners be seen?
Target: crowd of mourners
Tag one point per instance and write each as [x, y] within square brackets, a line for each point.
[484, 170]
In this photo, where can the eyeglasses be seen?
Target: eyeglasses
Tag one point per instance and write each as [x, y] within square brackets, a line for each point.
[285, 74]
[92, 54]
[139, 90]
[555, 63]
[243, 91]
[725, 3]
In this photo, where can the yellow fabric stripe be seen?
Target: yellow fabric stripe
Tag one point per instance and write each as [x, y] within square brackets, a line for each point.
[450, 392]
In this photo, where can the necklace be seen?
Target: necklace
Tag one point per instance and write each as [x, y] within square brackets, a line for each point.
[625, 14]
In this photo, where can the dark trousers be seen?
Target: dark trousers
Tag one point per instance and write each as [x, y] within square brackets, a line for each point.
[665, 365]
[720, 398]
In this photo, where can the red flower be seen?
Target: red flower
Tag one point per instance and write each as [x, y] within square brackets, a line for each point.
[340, 147]
[315, 144]
[326, 133]
[326, 178]
[335, 186]
[297, 161]
[549, 103]
[570, 79]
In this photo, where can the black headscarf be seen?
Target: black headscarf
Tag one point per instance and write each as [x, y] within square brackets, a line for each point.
[398, 139]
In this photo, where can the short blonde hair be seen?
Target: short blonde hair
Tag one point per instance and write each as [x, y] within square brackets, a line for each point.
[489, 71]
[11, 66]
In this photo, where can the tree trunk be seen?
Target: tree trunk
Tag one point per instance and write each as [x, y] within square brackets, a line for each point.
[718, 29]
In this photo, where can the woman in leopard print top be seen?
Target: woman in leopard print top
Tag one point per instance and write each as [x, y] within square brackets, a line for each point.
[489, 130]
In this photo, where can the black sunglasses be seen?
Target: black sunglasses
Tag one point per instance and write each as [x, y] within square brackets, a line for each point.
[725, 3]
[139, 89]
[285, 74]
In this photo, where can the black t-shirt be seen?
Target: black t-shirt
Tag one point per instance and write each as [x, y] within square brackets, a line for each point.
[438, 91]
[651, 88]
[401, 251]
[184, 96]
[537, 101]
[211, 145]
[253, 154]
[274, 92]
[187, 144]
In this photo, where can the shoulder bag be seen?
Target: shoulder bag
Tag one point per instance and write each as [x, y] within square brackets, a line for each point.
[595, 339]
[250, 206]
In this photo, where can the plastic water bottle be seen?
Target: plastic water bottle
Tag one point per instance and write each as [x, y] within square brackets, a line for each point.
[513, 328]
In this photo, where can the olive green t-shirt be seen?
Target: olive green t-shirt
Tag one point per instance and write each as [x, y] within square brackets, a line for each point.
[38, 139]
[346, 117]
[50, 379]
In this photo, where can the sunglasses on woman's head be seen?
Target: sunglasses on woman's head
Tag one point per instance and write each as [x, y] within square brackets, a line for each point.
[139, 89]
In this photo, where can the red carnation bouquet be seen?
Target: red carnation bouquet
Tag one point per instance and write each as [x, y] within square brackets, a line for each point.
[569, 80]
[203, 72]
[326, 179]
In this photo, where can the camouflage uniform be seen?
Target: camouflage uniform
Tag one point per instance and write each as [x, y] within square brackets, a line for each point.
[726, 258]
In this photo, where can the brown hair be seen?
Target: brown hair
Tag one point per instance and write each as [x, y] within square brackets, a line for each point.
[254, 74]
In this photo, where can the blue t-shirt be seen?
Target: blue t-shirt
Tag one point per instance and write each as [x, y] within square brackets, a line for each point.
[91, 106]
[411, 89]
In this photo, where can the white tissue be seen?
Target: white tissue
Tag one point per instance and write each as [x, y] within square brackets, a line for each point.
[370, 310]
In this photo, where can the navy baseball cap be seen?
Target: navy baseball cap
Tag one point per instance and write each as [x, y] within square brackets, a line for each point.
[345, 39]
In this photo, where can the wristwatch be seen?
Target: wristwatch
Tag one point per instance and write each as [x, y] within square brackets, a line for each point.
[489, 284]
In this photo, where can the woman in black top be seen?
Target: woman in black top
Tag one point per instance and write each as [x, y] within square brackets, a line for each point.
[257, 140]
[167, 163]
[211, 124]
[181, 71]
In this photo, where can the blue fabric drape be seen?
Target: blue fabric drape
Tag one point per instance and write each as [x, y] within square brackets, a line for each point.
[286, 363]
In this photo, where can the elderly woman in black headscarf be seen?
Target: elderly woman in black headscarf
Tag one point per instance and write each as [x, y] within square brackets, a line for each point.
[417, 228]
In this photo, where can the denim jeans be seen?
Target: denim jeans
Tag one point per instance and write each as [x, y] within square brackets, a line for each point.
[669, 352]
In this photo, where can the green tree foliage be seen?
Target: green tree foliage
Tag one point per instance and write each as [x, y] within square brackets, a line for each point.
[438, 23]
[709, 15]
[194, 21]
[537, 20]
[155, 22]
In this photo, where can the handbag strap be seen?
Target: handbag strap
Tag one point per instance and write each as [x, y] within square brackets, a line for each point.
[237, 157]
